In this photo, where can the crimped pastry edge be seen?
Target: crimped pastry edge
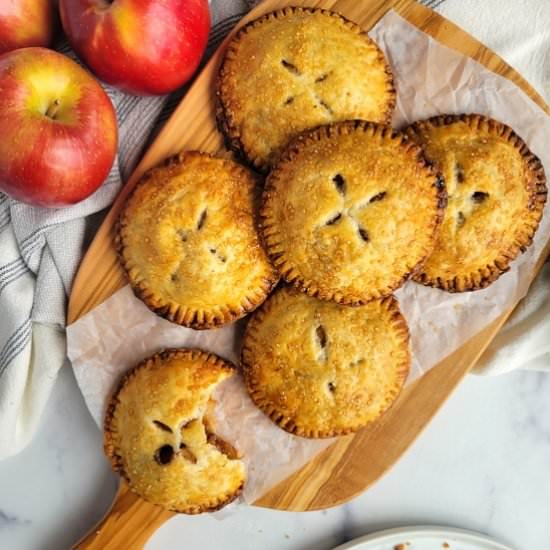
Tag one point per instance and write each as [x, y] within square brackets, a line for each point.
[287, 423]
[292, 150]
[491, 272]
[109, 446]
[177, 313]
[224, 106]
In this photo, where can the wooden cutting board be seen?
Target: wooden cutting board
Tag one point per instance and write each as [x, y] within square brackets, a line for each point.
[348, 467]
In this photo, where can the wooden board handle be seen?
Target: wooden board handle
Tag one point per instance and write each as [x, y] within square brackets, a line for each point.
[128, 524]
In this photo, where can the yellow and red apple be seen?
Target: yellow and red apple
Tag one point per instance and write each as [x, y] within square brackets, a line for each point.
[25, 23]
[141, 46]
[57, 126]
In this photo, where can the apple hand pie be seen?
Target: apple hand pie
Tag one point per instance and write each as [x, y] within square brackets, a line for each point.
[294, 69]
[497, 191]
[188, 241]
[159, 434]
[351, 211]
[320, 369]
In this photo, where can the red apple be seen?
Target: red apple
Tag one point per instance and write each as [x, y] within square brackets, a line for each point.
[57, 126]
[140, 46]
[25, 23]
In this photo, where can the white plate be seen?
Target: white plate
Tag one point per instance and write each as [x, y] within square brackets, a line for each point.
[428, 537]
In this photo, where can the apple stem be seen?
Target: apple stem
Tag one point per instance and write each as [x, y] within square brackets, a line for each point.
[53, 108]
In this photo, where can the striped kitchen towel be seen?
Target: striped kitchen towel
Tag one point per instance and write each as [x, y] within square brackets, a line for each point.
[40, 249]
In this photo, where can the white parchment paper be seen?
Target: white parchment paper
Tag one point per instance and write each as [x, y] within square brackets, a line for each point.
[431, 79]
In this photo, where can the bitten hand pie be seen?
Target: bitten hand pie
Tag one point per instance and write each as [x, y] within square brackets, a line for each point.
[160, 438]
[497, 191]
[294, 69]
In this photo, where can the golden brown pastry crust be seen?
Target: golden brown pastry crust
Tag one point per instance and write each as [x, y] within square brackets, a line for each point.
[320, 369]
[294, 69]
[497, 191]
[188, 241]
[351, 211]
[158, 437]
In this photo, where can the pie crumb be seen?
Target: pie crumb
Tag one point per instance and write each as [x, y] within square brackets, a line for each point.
[446, 545]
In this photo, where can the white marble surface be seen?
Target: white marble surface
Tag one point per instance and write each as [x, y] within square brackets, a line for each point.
[482, 464]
